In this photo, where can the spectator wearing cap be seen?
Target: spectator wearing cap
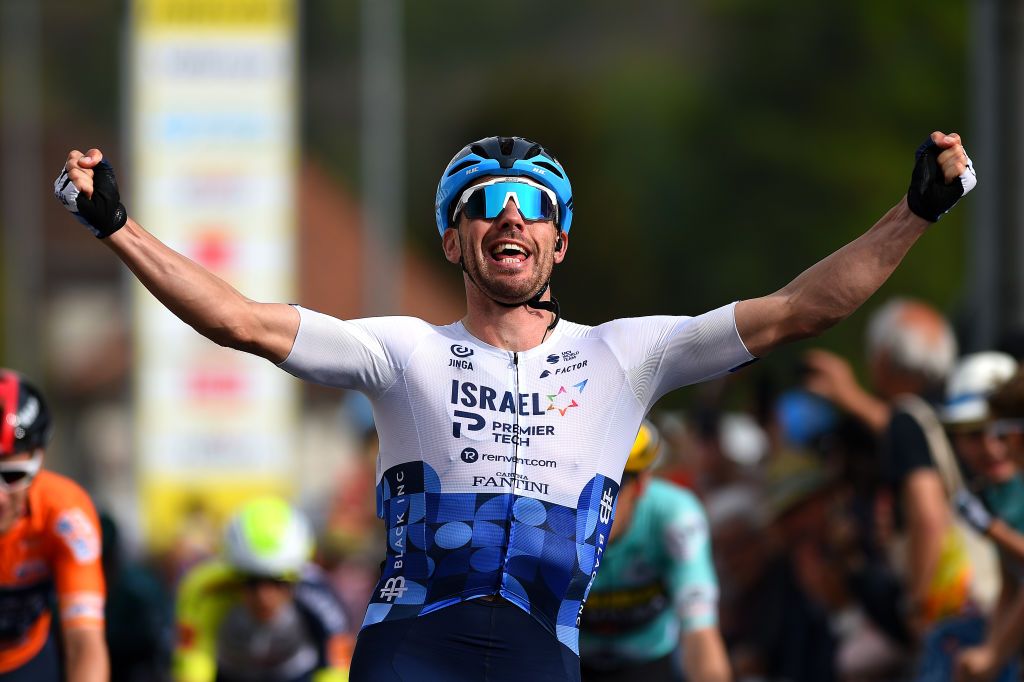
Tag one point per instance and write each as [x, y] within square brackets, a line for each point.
[986, 413]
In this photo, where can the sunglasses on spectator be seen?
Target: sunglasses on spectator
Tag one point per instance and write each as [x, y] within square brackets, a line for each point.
[18, 474]
[1001, 428]
[488, 199]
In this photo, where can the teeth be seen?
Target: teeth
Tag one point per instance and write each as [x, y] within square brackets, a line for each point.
[496, 251]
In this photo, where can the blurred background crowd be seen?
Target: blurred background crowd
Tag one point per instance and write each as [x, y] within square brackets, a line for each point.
[715, 147]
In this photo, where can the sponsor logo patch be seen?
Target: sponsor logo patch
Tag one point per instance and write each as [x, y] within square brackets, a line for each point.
[80, 534]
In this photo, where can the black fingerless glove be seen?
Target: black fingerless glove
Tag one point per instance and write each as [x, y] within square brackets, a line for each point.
[929, 196]
[103, 213]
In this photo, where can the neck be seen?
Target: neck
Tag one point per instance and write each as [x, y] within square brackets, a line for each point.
[516, 329]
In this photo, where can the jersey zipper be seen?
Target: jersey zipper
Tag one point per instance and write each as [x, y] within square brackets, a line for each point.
[509, 517]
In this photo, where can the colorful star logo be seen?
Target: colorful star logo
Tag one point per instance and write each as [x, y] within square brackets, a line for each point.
[563, 401]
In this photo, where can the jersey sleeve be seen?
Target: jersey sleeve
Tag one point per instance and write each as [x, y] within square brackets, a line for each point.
[364, 355]
[662, 353]
[905, 447]
[691, 571]
[77, 565]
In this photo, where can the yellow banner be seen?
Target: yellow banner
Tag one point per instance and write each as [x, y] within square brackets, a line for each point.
[194, 513]
[221, 14]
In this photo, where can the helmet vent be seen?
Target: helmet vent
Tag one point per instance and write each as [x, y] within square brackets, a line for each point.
[506, 144]
[456, 168]
[550, 166]
[480, 150]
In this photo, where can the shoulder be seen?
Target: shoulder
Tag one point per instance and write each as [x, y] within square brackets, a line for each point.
[311, 320]
[67, 513]
[905, 432]
[315, 595]
[671, 499]
[54, 492]
[208, 577]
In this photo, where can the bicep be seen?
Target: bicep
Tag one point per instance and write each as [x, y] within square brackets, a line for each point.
[762, 323]
[276, 326]
[924, 500]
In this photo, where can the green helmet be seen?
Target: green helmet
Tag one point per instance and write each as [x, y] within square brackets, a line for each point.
[268, 537]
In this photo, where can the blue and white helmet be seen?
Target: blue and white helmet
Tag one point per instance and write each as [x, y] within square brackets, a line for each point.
[497, 156]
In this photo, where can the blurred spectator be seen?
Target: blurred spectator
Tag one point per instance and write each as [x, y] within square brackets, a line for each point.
[263, 611]
[652, 610]
[139, 615]
[986, 454]
[744, 555]
[775, 629]
[911, 349]
[837, 606]
[726, 446]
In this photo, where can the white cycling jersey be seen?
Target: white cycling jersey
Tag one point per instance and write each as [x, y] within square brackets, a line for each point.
[498, 470]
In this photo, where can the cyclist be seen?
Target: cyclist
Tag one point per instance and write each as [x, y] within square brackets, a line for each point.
[503, 435]
[50, 544]
[652, 612]
[263, 611]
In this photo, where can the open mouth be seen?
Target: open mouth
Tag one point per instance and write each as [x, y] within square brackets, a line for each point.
[509, 253]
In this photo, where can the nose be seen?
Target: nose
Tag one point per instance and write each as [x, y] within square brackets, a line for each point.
[510, 217]
[995, 443]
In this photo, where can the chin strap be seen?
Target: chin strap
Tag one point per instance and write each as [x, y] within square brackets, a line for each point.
[551, 305]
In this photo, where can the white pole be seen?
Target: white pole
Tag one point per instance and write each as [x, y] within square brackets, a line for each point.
[383, 157]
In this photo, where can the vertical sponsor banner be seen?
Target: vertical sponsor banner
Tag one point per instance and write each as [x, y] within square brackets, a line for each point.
[213, 113]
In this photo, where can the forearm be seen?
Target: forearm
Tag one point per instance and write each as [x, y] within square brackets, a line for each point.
[872, 412]
[1006, 634]
[86, 654]
[704, 656]
[199, 298]
[1007, 538]
[831, 289]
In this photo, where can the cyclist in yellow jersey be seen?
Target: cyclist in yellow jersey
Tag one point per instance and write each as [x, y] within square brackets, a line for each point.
[263, 612]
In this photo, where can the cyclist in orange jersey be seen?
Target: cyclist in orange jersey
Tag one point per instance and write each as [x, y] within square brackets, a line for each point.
[49, 546]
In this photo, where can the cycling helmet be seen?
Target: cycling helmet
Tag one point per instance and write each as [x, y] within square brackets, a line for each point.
[267, 537]
[970, 384]
[646, 449]
[25, 422]
[502, 156]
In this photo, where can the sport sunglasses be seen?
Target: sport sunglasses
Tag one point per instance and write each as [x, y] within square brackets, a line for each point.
[18, 475]
[488, 199]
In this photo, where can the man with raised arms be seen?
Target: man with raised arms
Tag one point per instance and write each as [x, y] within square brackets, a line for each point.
[482, 581]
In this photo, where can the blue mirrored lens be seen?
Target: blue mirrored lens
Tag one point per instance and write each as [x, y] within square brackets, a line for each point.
[490, 200]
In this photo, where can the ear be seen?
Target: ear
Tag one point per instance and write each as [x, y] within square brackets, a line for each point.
[560, 252]
[451, 244]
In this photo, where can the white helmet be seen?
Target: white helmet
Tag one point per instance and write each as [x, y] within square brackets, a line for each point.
[268, 537]
[973, 379]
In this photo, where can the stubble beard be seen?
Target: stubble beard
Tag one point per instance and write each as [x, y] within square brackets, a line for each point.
[510, 291]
